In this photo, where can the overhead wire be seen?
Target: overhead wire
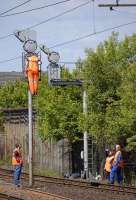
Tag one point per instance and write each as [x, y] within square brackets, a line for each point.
[6, 36]
[49, 19]
[34, 9]
[59, 15]
[92, 34]
[11, 59]
[78, 38]
[15, 7]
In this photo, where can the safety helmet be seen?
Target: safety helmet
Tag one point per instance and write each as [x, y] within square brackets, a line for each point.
[117, 147]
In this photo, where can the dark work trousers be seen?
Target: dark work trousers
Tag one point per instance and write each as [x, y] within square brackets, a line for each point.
[107, 176]
[17, 174]
[116, 171]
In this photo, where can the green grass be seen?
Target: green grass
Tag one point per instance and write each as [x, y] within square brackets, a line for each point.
[2, 162]
[6, 162]
[46, 172]
[42, 172]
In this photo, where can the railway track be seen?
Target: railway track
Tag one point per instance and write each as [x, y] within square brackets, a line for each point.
[4, 196]
[40, 181]
[56, 197]
[85, 184]
[29, 191]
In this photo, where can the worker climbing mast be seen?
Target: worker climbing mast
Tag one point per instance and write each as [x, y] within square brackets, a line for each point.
[31, 60]
[31, 65]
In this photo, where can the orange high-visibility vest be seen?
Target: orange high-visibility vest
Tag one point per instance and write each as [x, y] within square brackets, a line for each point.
[108, 163]
[33, 73]
[17, 160]
[33, 63]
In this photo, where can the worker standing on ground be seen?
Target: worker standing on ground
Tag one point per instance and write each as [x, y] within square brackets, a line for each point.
[17, 162]
[117, 166]
[108, 164]
[32, 72]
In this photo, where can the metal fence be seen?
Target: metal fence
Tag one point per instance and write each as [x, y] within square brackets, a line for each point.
[2, 146]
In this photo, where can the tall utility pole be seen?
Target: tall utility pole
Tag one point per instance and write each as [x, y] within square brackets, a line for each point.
[30, 156]
[85, 135]
[54, 79]
[28, 38]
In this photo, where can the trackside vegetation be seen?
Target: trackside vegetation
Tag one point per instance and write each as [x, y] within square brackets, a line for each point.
[109, 75]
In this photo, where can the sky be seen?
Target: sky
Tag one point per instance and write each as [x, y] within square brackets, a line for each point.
[84, 20]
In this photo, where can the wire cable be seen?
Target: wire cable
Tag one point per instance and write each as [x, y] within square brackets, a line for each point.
[78, 38]
[92, 34]
[14, 7]
[11, 59]
[34, 9]
[49, 19]
[59, 15]
[6, 36]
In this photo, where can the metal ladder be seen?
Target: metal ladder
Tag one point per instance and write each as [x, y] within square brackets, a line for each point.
[92, 157]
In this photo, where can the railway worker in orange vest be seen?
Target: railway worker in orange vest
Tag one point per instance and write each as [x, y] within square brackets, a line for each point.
[118, 165]
[108, 164]
[17, 163]
[32, 72]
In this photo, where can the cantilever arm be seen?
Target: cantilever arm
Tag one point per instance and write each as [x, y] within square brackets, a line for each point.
[117, 5]
[45, 49]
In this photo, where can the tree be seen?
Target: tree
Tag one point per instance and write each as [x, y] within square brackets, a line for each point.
[103, 79]
[127, 92]
[109, 77]
[111, 82]
[58, 110]
[13, 95]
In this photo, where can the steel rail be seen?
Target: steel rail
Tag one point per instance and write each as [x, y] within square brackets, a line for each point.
[46, 193]
[9, 197]
[77, 183]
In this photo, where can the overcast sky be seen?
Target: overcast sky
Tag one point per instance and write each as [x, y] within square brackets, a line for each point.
[80, 22]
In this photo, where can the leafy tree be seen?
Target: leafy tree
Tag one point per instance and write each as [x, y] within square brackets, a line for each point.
[58, 110]
[109, 78]
[103, 79]
[13, 95]
[127, 93]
